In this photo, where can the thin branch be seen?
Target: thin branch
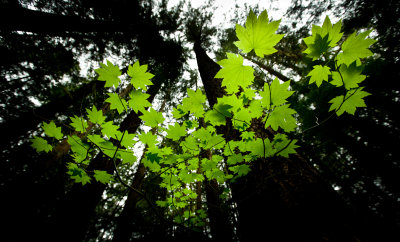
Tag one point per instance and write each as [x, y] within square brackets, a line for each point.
[267, 68]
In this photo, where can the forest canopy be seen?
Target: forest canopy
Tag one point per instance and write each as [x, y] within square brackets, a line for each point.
[287, 123]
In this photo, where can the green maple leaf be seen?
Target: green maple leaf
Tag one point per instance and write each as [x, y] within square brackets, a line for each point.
[85, 178]
[79, 148]
[259, 35]
[194, 103]
[276, 94]
[187, 177]
[247, 95]
[255, 108]
[153, 166]
[319, 74]
[284, 146]
[116, 102]
[317, 47]
[109, 129]
[351, 76]
[217, 116]
[323, 38]
[138, 101]
[127, 156]
[232, 101]
[242, 119]
[234, 73]
[282, 116]
[178, 112]
[203, 135]
[257, 148]
[127, 140]
[176, 132]
[193, 164]
[95, 116]
[209, 165]
[152, 118]
[52, 130]
[229, 148]
[109, 73]
[234, 159]
[40, 144]
[169, 182]
[140, 76]
[108, 148]
[240, 170]
[354, 48]
[247, 135]
[148, 138]
[353, 100]
[104, 145]
[78, 174]
[74, 170]
[215, 141]
[216, 174]
[190, 145]
[79, 124]
[162, 204]
[153, 157]
[102, 176]
[191, 124]
[223, 109]
[333, 32]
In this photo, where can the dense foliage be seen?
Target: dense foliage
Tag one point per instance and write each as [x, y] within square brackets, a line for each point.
[192, 148]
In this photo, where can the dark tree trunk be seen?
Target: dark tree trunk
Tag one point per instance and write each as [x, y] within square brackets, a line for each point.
[281, 199]
[208, 69]
[18, 18]
[28, 121]
[218, 212]
[284, 199]
[124, 226]
[220, 225]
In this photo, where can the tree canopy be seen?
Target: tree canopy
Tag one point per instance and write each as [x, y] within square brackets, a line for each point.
[289, 128]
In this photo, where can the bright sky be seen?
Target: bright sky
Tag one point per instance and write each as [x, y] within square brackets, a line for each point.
[225, 8]
[223, 13]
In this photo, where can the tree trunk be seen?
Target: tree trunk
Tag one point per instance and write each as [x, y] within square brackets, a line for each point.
[123, 230]
[284, 199]
[218, 212]
[220, 225]
[18, 18]
[281, 199]
[30, 120]
[124, 224]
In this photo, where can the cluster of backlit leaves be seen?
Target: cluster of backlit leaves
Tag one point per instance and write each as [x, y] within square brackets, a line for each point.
[347, 69]
[93, 134]
[228, 160]
[180, 169]
[200, 152]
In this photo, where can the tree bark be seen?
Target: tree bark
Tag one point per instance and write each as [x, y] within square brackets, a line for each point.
[124, 224]
[220, 225]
